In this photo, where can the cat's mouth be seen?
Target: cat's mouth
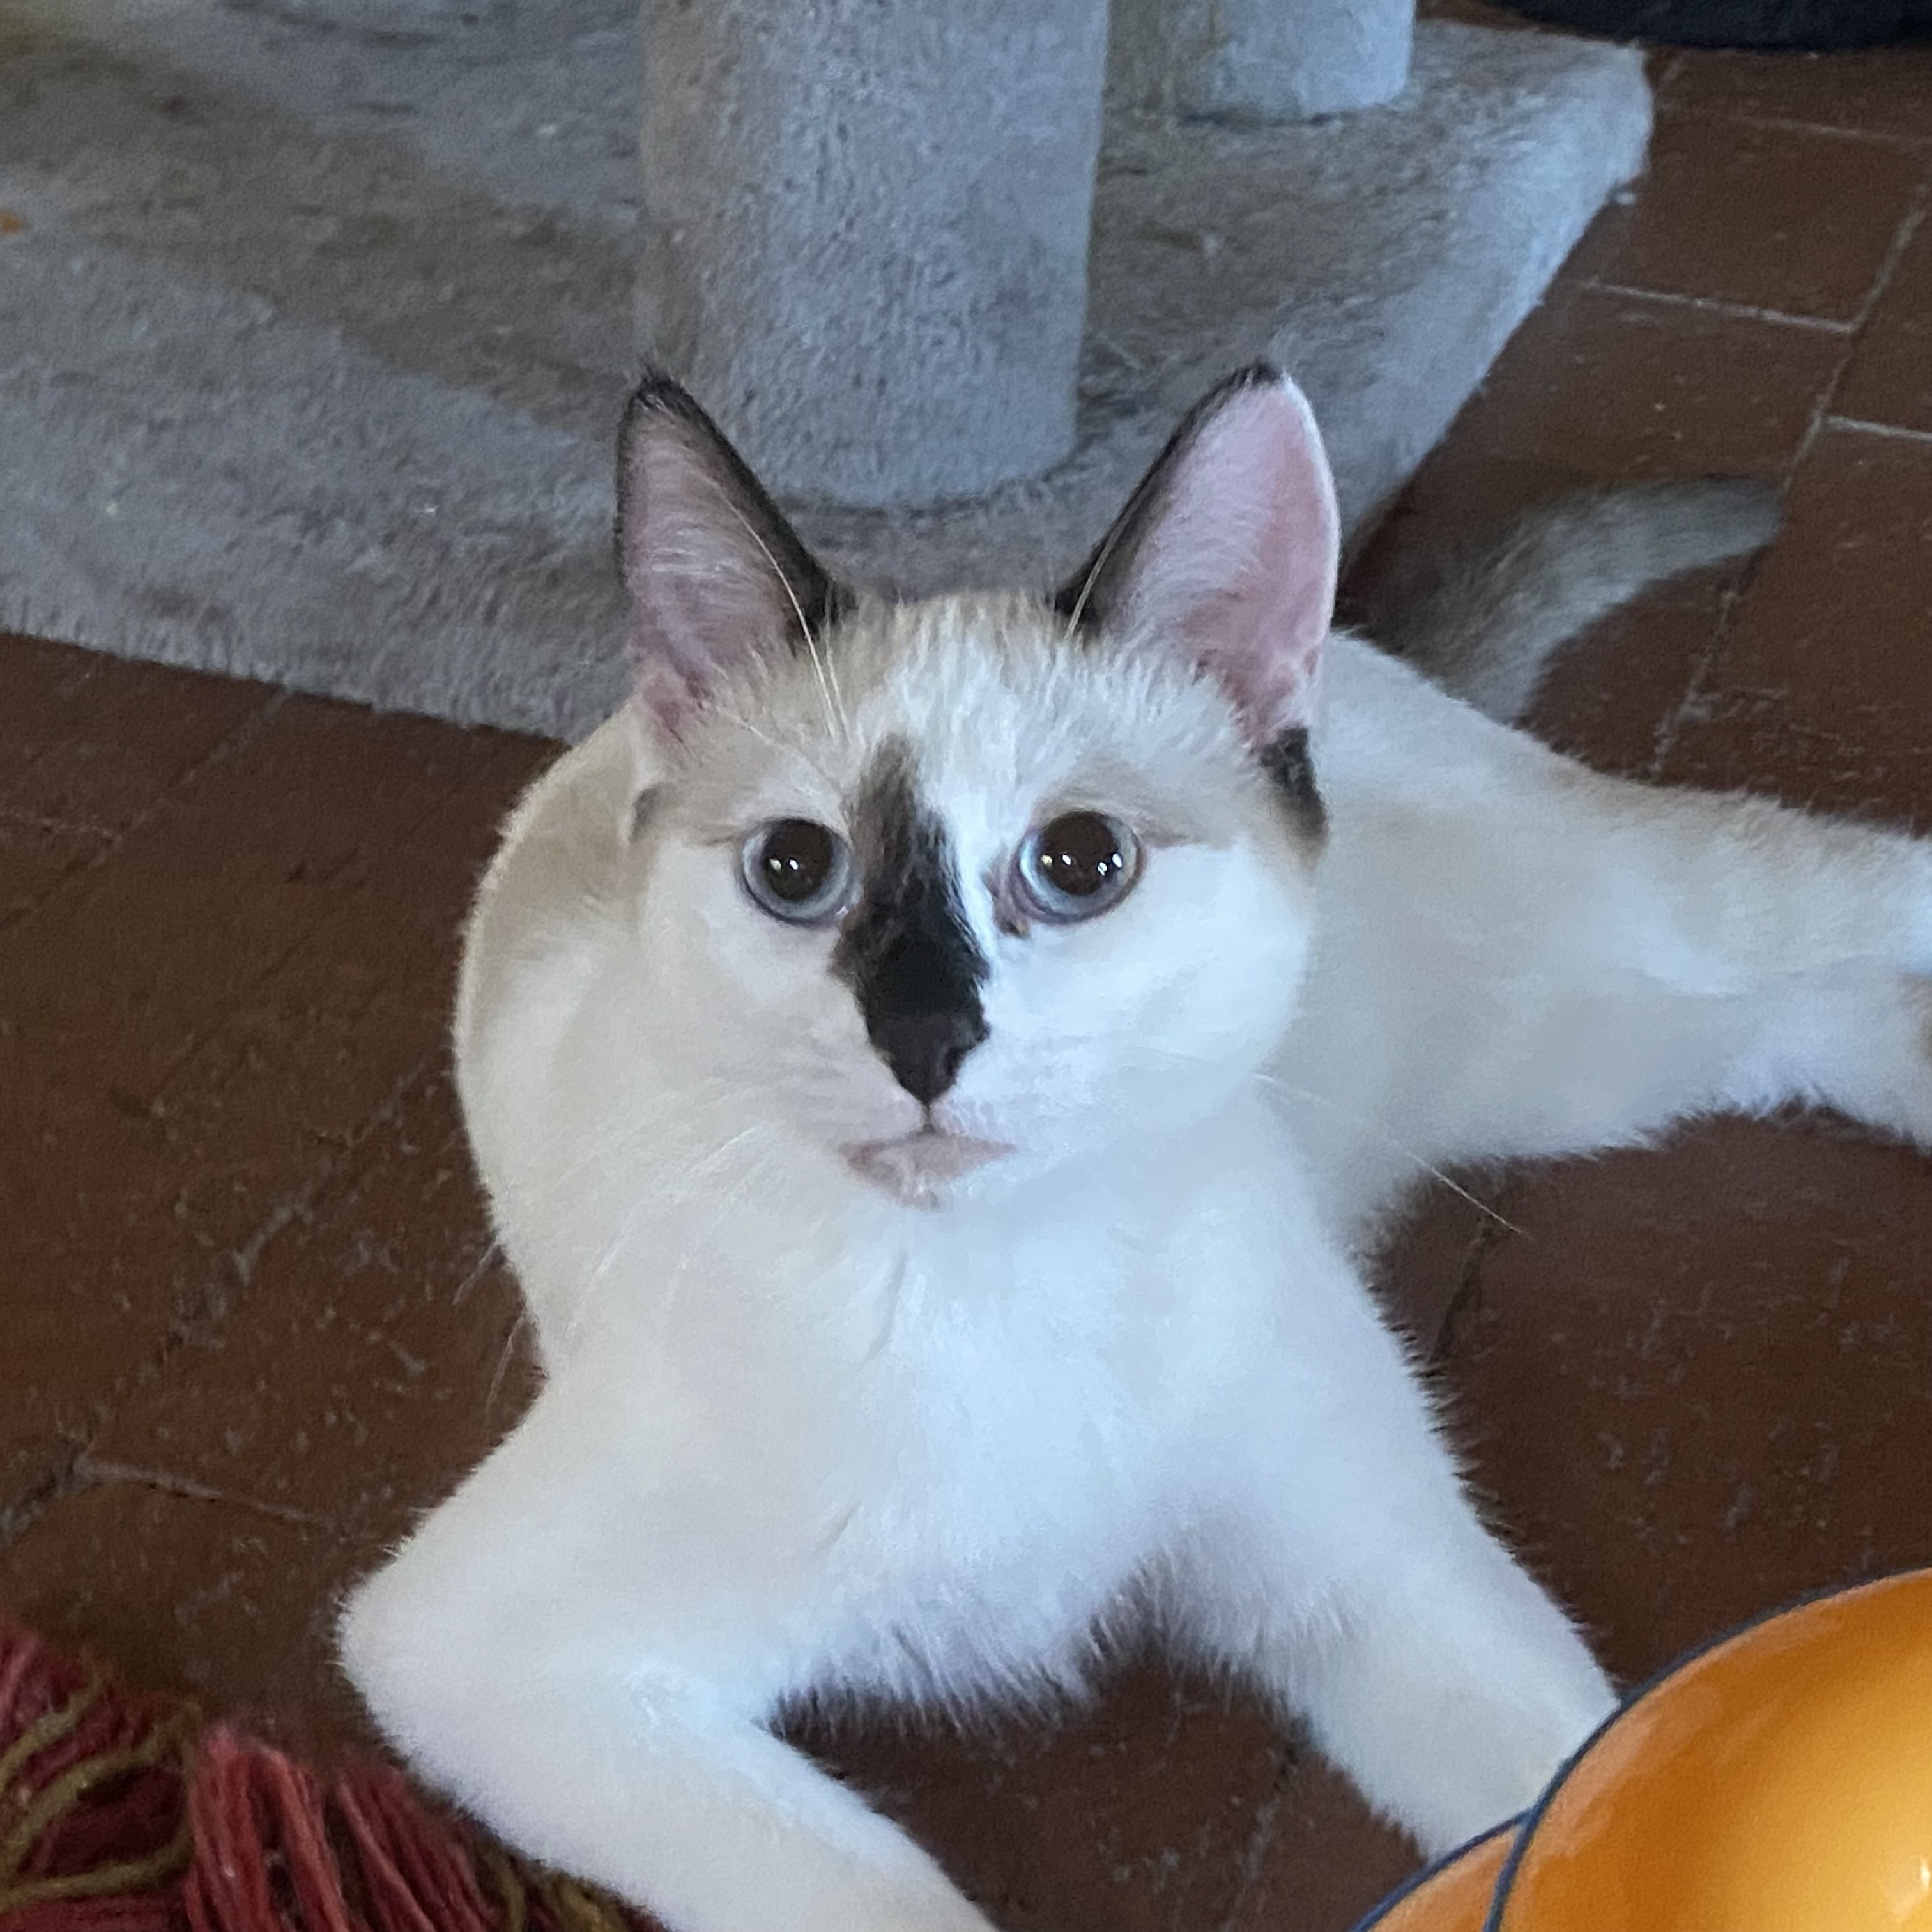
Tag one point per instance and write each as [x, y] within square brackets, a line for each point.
[916, 1168]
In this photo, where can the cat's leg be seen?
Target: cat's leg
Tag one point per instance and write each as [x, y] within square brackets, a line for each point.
[599, 1700]
[1804, 943]
[1736, 889]
[1444, 1681]
[1560, 962]
[1859, 1039]
[1349, 1578]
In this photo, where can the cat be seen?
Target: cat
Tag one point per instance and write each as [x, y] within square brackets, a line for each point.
[936, 1067]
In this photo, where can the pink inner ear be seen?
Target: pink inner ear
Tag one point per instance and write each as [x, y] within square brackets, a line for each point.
[705, 593]
[1240, 565]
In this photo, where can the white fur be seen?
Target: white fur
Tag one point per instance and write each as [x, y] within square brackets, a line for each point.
[1517, 956]
[796, 1436]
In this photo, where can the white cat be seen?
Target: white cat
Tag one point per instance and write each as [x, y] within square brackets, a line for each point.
[934, 1066]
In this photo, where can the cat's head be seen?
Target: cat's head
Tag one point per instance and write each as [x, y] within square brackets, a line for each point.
[956, 890]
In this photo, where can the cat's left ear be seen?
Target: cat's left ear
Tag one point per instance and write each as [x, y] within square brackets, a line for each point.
[715, 574]
[1228, 550]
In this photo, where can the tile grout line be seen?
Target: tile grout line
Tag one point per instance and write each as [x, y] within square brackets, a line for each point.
[1909, 224]
[1716, 305]
[1784, 123]
[1858, 426]
[16, 1519]
[224, 747]
[243, 1257]
[1888, 267]
[181, 1324]
[1664, 740]
[1262, 1830]
[184, 1056]
[12, 816]
[82, 1470]
[1489, 1234]
[62, 1481]
[95, 1473]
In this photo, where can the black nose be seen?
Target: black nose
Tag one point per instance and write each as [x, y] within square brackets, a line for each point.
[925, 1050]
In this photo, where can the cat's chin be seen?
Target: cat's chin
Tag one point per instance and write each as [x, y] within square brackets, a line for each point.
[920, 1170]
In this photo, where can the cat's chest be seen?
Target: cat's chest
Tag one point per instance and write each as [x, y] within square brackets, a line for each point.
[949, 1449]
[1007, 1455]
[993, 1358]
[1019, 1390]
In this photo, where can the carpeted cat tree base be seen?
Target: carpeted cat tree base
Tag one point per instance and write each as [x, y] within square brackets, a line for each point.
[118, 1813]
[317, 331]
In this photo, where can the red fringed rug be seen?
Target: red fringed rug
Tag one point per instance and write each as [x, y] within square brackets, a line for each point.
[120, 1812]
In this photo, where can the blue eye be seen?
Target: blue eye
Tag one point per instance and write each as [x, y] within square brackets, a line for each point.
[1078, 865]
[797, 870]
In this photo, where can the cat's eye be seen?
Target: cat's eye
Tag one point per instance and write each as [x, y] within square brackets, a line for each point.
[797, 870]
[1079, 864]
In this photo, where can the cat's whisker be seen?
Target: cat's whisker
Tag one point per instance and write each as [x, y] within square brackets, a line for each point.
[598, 1156]
[1356, 1119]
[1360, 1121]
[637, 1140]
[600, 1273]
[1101, 557]
[518, 1329]
[709, 1162]
[728, 1201]
[828, 689]
[740, 722]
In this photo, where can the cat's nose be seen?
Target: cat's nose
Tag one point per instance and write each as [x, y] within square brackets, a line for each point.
[925, 1050]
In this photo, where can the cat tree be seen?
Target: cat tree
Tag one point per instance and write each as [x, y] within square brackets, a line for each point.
[321, 312]
[867, 228]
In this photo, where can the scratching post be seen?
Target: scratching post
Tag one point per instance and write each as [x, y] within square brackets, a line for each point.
[864, 233]
[326, 330]
[1259, 60]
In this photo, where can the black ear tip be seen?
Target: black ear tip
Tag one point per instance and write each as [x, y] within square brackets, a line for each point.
[1242, 381]
[1248, 380]
[658, 393]
[658, 388]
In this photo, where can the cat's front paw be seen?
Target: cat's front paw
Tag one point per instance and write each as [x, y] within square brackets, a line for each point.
[1452, 1708]
[1479, 1761]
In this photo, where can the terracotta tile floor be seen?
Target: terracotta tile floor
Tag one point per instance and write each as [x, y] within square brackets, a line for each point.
[252, 1320]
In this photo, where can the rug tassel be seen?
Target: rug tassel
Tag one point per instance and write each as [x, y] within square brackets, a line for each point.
[92, 1824]
[118, 1813]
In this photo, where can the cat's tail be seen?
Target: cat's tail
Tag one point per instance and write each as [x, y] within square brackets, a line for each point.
[1486, 622]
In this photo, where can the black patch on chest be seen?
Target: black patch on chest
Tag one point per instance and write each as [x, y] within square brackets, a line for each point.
[1291, 771]
[906, 950]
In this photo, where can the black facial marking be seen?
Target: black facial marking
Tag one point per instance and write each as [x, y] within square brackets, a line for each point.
[1087, 599]
[906, 950]
[1291, 771]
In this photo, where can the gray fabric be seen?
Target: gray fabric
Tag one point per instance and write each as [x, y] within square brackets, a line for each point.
[864, 232]
[1264, 60]
[312, 351]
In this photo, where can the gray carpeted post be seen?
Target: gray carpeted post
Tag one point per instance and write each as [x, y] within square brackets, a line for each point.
[865, 229]
[1260, 60]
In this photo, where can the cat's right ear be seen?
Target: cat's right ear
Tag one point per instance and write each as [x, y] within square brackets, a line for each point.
[716, 575]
